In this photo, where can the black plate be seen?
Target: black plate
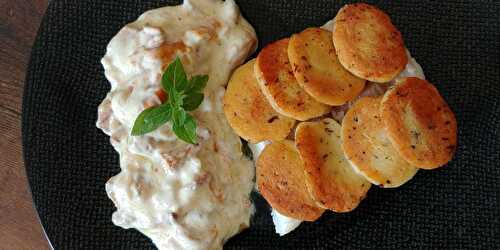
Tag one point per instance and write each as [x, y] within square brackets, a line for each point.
[68, 160]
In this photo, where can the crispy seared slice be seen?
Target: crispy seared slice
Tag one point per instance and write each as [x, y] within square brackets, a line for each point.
[280, 179]
[333, 182]
[249, 113]
[368, 148]
[419, 123]
[277, 82]
[367, 43]
[318, 70]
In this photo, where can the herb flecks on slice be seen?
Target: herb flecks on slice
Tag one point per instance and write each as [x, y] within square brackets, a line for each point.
[183, 95]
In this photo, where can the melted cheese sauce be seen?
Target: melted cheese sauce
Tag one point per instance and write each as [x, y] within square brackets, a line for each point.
[182, 196]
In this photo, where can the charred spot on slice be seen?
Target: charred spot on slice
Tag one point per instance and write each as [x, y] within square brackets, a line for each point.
[272, 119]
[415, 134]
[328, 130]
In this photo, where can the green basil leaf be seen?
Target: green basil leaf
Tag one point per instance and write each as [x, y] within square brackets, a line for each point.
[186, 131]
[179, 116]
[192, 101]
[174, 77]
[183, 96]
[175, 98]
[150, 119]
[197, 83]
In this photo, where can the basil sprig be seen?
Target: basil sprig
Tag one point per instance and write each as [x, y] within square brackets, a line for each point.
[183, 95]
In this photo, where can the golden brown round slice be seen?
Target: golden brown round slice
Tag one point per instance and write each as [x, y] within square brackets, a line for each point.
[368, 148]
[280, 179]
[420, 124]
[318, 70]
[332, 181]
[368, 44]
[249, 113]
[277, 82]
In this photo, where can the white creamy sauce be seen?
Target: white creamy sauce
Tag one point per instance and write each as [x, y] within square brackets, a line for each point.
[257, 148]
[284, 224]
[182, 196]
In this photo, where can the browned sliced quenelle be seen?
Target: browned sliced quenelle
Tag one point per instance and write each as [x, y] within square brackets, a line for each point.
[280, 179]
[318, 70]
[277, 82]
[332, 181]
[368, 44]
[368, 148]
[419, 123]
[249, 113]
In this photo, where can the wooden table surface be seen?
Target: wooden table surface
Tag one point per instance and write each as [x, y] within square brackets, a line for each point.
[19, 225]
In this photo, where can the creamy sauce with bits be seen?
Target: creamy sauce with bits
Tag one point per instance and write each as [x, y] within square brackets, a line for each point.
[181, 196]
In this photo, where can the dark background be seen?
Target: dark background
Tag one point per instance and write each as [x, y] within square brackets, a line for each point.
[68, 160]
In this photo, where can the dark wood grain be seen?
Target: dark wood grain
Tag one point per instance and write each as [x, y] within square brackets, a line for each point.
[19, 225]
